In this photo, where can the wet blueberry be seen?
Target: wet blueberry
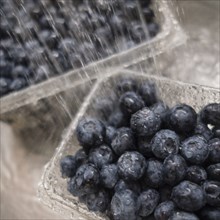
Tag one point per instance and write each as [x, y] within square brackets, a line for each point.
[68, 166]
[117, 119]
[131, 165]
[123, 140]
[123, 185]
[101, 156]
[174, 169]
[195, 149]
[196, 174]
[90, 133]
[164, 210]
[153, 175]
[213, 172]
[144, 146]
[203, 130]
[153, 29]
[180, 215]
[145, 122]
[210, 114]
[182, 119]
[214, 148]
[188, 196]
[164, 143]
[109, 175]
[123, 205]
[130, 103]
[147, 202]
[212, 192]
[4, 85]
[110, 132]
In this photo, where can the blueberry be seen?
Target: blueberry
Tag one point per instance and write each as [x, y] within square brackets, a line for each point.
[130, 103]
[68, 166]
[212, 192]
[214, 148]
[148, 14]
[164, 210]
[145, 122]
[131, 165]
[20, 71]
[147, 202]
[164, 143]
[153, 29]
[180, 215]
[101, 156]
[109, 175]
[43, 72]
[195, 149]
[17, 84]
[50, 38]
[188, 196]
[154, 173]
[86, 179]
[196, 174]
[80, 157]
[209, 213]
[6, 68]
[144, 146]
[123, 140]
[174, 169]
[117, 119]
[202, 129]
[136, 31]
[210, 114]
[127, 85]
[67, 45]
[110, 132]
[123, 205]
[123, 185]
[182, 119]
[90, 133]
[4, 85]
[98, 201]
[214, 172]
[147, 91]
[161, 109]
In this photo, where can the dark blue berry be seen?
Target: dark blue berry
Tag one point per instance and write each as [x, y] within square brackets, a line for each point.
[17, 84]
[164, 143]
[110, 132]
[109, 175]
[98, 201]
[136, 31]
[161, 109]
[209, 213]
[144, 146]
[210, 114]
[117, 119]
[68, 166]
[85, 181]
[123, 141]
[126, 85]
[80, 157]
[180, 215]
[203, 130]
[174, 169]
[216, 131]
[212, 192]
[214, 150]
[147, 202]
[188, 196]
[130, 103]
[101, 156]
[153, 29]
[182, 119]
[4, 85]
[90, 133]
[131, 165]
[164, 210]
[153, 175]
[147, 91]
[196, 174]
[148, 14]
[195, 149]
[123, 185]
[43, 72]
[123, 205]
[145, 122]
[213, 172]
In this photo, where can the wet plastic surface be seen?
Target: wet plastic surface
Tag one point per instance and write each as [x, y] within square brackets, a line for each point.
[52, 189]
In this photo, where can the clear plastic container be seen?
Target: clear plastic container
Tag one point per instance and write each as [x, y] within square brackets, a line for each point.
[53, 188]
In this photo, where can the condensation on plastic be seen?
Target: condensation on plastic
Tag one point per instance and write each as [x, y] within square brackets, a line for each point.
[170, 36]
[53, 189]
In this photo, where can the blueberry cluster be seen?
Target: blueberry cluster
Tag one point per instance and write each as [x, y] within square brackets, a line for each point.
[142, 159]
[43, 38]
